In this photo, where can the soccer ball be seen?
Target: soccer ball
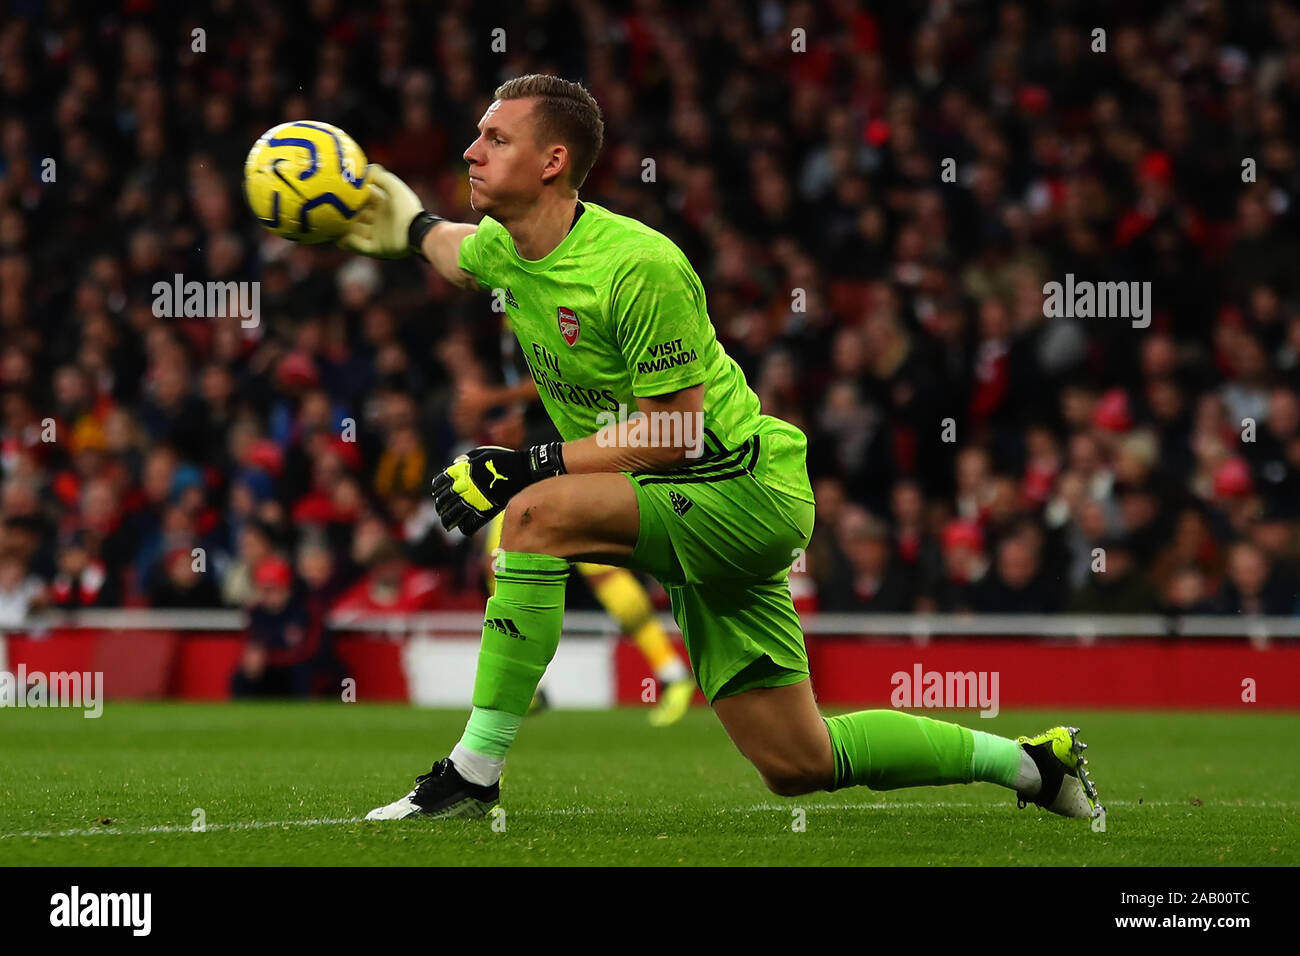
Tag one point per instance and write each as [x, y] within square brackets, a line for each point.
[305, 181]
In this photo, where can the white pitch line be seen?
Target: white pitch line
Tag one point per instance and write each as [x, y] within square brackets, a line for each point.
[142, 831]
[635, 811]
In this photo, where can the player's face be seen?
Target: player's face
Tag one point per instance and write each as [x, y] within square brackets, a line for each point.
[505, 162]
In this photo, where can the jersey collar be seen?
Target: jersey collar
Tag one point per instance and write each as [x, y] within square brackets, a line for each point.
[560, 251]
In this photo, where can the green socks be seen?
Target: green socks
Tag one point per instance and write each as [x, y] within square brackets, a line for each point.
[489, 733]
[521, 630]
[888, 749]
[1000, 759]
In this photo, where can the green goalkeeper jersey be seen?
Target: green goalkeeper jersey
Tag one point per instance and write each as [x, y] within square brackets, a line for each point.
[615, 311]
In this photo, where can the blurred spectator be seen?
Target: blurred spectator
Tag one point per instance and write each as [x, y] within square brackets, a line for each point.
[255, 546]
[392, 584]
[20, 593]
[181, 585]
[1187, 592]
[1254, 585]
[1192, 546]
[82, 579]
[914, 547]
[964, 567]
[283, 654]
[918, 358]
[1117, 587]
[867, 579]
[1015, 584]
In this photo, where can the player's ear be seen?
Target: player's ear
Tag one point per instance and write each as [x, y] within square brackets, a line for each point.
[557, 164]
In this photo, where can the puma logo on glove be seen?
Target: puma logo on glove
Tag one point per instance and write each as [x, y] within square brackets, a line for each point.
[465, 494]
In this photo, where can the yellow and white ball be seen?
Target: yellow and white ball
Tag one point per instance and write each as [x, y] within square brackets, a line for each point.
[306, 181]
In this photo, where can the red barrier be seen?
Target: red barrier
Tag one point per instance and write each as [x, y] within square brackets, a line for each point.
[376, 665]
[204, 664]
[144, 665]
[851, 672]
[135, 664]
[1182, 673]
[58, 651]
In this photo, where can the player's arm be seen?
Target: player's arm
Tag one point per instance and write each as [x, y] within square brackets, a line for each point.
[466, 493]
[441, 247]
[394, 223]
[678, 435]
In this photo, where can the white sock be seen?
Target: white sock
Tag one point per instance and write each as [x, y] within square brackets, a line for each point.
[672, 672]
[1028, 781]
[477, 768]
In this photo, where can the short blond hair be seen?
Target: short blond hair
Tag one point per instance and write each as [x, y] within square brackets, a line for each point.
[565, 112]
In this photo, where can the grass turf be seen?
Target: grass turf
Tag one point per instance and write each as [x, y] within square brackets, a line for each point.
[606, 789]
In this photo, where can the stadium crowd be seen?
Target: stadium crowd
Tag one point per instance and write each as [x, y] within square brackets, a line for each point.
[967, 451]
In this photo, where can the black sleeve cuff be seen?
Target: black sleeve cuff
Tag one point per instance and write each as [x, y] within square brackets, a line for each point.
[546, 461]
[418, 229]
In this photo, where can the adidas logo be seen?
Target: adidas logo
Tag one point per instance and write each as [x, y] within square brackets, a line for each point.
[681, 504]
[505, 625]
[510, 298]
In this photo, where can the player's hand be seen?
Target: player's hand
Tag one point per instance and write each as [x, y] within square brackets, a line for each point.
[474, 488]
[381, 229]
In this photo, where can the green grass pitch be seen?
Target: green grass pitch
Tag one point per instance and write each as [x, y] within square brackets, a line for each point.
[286, 784]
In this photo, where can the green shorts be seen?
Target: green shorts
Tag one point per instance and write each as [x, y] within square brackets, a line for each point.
[721, 543]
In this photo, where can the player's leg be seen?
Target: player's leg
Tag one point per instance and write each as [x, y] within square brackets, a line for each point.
[491, 535]
[746, 646]
[768, 709]
[627, 602]
[590, 517]
[797, 751]
[545, 526]
[780, 731]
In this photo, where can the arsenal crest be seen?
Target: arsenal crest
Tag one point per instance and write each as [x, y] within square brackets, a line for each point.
[568, 320]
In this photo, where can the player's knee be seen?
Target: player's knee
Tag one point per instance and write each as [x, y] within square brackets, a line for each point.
[791, 784]
[531, 521]
[792, 777]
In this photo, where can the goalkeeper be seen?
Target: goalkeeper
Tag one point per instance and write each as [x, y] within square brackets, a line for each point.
[611, 319]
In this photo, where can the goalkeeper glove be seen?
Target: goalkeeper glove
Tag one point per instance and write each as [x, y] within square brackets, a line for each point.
[393, 223]
[475, 487]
